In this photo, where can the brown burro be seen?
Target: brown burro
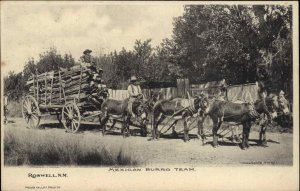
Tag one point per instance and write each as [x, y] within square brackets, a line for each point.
[170, 108]
[118, 111]
[241, 113]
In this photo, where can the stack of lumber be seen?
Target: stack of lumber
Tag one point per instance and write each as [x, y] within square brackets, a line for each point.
[59, 87]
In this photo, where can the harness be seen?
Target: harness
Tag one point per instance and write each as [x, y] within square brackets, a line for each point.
[191, 108]
[252, 112]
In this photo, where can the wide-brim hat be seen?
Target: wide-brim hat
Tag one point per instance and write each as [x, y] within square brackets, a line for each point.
[281, 92]
[87, 51]
[133, 78]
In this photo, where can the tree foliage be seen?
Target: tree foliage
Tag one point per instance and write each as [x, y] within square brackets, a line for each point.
[241, 44]
[14, 84]
[213, 42]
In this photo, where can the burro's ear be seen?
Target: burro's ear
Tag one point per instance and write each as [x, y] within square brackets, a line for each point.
[275, 98]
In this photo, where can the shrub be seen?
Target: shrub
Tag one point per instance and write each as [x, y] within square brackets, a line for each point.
[38, 147]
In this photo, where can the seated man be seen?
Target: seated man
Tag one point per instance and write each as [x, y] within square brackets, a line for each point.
[134, 91]
[86, 60]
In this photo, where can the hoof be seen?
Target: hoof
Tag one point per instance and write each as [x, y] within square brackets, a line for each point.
[264, 143]
[243, 146]
[237, 139]
[174, 134]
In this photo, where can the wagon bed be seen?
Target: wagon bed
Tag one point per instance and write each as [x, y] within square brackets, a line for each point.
[65, 93]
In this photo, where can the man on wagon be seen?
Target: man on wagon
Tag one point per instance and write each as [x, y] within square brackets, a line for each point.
[134, 91]
[86, 59]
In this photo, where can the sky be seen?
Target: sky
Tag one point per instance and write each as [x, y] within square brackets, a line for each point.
[30, 28]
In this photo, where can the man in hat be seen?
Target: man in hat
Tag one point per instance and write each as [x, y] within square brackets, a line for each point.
[134, 91]
[86, 59]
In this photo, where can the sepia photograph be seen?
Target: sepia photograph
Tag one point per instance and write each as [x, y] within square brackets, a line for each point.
[94, 93]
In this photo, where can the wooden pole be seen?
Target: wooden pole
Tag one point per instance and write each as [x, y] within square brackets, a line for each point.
[45, 88]
[51, 90]
[80, 84]
[60, 84]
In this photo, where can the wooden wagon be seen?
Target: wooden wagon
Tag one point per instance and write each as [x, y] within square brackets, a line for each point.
[64, 93]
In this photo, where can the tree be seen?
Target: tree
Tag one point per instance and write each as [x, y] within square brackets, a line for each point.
[14, 84]
[213, 42]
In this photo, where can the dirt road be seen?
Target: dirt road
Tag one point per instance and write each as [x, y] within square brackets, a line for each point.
[173, 151]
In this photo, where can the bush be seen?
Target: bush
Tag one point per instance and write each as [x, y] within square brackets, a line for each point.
[14, 108]
[35, 147]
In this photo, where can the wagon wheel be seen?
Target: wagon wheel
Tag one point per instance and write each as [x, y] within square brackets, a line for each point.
[71, 117]
[31, 112]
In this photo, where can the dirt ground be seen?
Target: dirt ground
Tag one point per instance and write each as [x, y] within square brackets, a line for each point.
[174, 151]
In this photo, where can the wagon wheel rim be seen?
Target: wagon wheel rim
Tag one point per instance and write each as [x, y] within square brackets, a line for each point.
[71, 117]
[31, 112]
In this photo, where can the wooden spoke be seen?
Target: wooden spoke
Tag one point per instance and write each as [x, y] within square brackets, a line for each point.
[71, 117]
[65, 113]
[31, 112]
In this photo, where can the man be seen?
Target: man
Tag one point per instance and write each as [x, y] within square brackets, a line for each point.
[134, 91]
[86, 59]
[5, 103]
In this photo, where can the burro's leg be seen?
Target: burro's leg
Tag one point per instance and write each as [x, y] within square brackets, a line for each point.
[186, 128]
[201, 135]
[125, 129]
[103, 120]
[244, 136]
[103, 125]
[216, 125]
[264, 140]
[262, 135]
[126, 125]
[161, 118]
[248, 133]
[174, 133]
[153, 125]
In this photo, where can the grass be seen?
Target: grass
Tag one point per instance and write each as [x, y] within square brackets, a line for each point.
[15, 108]
[37, 147]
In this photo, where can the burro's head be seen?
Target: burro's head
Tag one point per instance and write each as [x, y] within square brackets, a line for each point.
[202, 103]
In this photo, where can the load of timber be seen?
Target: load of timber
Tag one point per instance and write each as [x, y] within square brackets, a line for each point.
[58, 87]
